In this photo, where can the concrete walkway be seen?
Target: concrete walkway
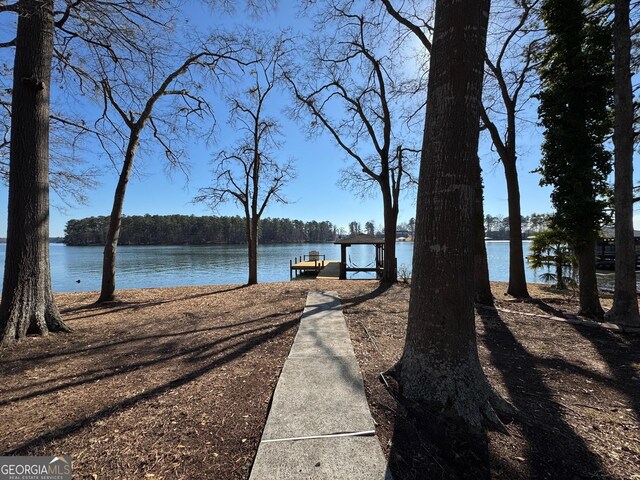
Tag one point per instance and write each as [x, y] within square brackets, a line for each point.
[319, 425]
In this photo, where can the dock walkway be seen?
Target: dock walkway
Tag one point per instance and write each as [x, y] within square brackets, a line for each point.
[319, 425]
[323, 268]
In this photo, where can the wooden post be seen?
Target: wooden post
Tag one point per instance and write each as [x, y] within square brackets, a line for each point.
[343, 262]
[290, 270]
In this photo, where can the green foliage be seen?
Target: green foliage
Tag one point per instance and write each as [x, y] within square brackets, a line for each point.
[550, 250]
[575, 110]
[192, 230]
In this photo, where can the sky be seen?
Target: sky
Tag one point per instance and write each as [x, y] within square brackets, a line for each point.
[312, 195]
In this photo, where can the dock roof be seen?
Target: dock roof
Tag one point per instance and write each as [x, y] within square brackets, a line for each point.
[360, 239]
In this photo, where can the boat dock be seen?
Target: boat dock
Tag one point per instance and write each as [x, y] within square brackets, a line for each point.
[314, 266]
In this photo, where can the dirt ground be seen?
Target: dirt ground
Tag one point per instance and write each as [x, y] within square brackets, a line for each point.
[167, 383]
[577, 388]
[176, 383]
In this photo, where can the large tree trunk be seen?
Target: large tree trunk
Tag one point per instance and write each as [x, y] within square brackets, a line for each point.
[107, 292]
[253, 252]
[483, 293]
[27, 301]
[517, 279]
[625, 298]
[589, 300]
[389, 272]
[440, 365]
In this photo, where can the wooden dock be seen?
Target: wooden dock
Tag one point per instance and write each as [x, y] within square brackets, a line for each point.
[321, 268]
[331, 270]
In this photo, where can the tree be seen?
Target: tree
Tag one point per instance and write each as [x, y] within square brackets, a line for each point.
[510, 78]
[370, 228]
[483, 293]
[625, 298]
[440, 365]
[249, 174]
[354, 228]
[489, 223]
[576, 77]
[27, 300]
[550, 249]
[412, 226]
[351, 78]
[190, 104]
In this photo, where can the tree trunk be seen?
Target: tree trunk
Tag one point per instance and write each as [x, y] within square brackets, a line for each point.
[483, 293]
[439, 366]
[517, 279]
[560, 284]
[107, 292]
[253, 252]
[389, 273]
[589, 300]
[625, 297]
[27, 303]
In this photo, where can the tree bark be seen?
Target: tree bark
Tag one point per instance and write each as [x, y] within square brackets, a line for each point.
[439, 366]
[253, 252]
[517, 278]
[625, 297]
[389, 273]
[560, 283]
[27, 303]
[483, 293]
[589, 300]
[107, 292]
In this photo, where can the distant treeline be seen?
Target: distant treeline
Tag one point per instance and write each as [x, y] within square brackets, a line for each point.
[192, 230]
[497, 228]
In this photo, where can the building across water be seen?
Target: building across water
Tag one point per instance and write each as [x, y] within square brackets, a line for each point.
[606, 250]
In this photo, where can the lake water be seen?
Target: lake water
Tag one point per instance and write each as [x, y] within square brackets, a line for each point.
[167, 266]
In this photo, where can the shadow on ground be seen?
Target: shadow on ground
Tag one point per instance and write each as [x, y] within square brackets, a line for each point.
[159, 390]
[577, 394]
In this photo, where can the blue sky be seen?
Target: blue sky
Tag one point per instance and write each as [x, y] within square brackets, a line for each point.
[313, 194]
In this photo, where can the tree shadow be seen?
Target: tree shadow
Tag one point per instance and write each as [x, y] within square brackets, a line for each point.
[554, 449]
[549, 309]
[351, 302]
[424, 444]
[205, 357]
[158, 355]
[620, 352]
[143, 338]
[104, 308]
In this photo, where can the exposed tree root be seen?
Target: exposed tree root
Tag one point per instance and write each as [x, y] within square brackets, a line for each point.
[464, 396]
[27, 318]
[615, 315]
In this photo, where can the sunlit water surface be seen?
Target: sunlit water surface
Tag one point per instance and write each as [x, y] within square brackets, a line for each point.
[165, 266]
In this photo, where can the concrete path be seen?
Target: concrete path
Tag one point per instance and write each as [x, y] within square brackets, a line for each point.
[319, 425]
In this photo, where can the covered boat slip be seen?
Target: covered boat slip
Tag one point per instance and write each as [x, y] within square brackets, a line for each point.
[315, 263]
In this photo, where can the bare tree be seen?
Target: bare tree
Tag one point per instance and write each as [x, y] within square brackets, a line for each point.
[440, 365]
[188, 104]
[249, 174]
[27, 299]
[353, 79]
[625, 298]
[509, 69]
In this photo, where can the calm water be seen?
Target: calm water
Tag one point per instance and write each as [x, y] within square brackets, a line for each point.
[165, 266]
